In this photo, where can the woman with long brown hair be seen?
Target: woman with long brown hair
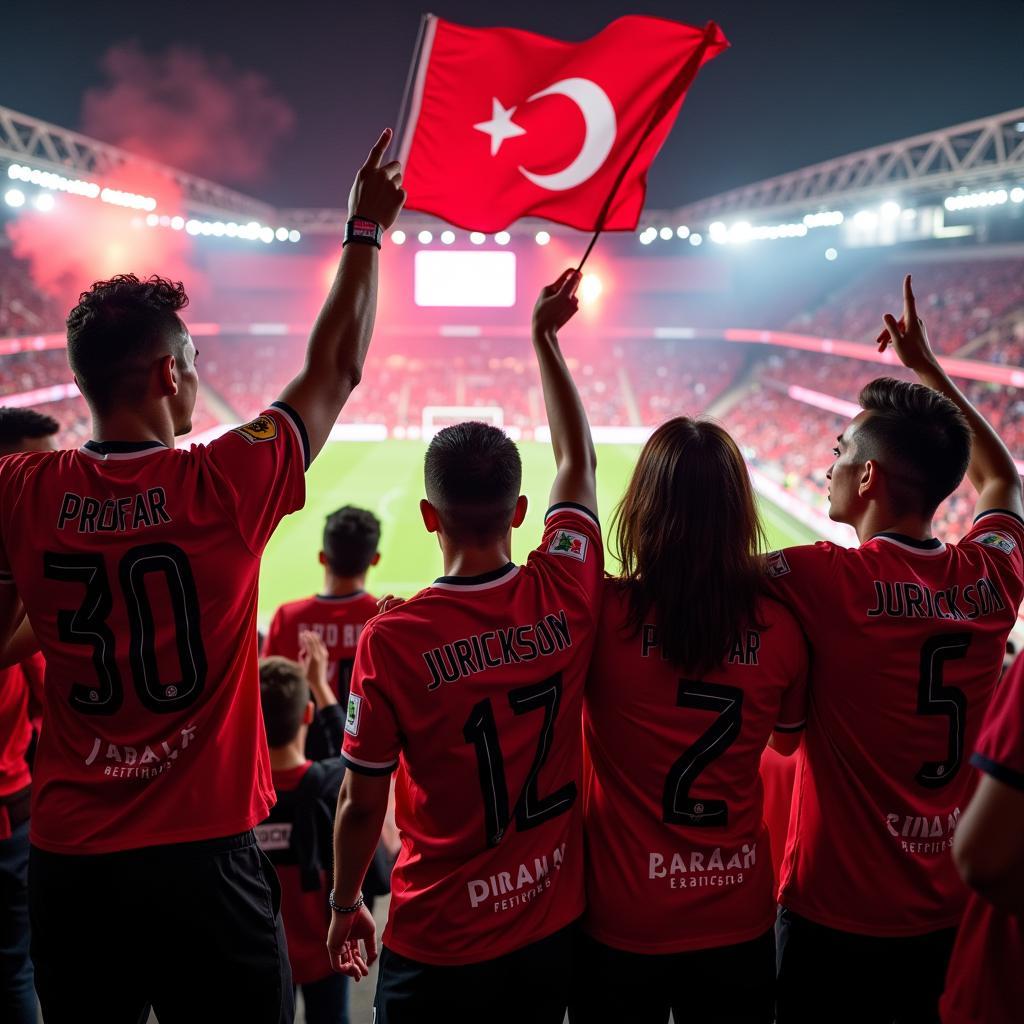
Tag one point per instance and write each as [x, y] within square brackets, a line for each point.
[693, 669]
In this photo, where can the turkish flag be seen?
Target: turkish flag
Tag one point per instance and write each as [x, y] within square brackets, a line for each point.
[506, 124]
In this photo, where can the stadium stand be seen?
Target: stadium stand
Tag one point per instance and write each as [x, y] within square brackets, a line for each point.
[975, 307]
[966, 298]
[23, 308]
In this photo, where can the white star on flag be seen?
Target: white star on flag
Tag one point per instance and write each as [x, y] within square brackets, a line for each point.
[500, 127]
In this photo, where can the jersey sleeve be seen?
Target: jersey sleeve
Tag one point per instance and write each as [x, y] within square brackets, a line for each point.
[1000, 535]
[259, 472]
[572, 551]
[1000, 749]
[372, 738]
[799, 578]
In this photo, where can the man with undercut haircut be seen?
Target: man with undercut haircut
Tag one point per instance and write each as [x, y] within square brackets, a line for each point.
[138, 567]
[473, 690]
[907, 635]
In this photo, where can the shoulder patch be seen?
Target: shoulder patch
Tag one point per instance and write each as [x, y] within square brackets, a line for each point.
[999, 541]
[569, 542]
[355, 708]
[776, 564]
[263, 428]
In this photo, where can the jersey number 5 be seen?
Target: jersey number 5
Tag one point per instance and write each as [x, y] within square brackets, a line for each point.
[934, 698]
[481, 730]
[87, 625]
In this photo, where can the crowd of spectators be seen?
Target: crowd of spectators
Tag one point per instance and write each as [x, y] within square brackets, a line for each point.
[961, 300]
[24, 309]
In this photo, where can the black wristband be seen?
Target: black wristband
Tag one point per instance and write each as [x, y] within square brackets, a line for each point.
[345, 910]
[363, 230]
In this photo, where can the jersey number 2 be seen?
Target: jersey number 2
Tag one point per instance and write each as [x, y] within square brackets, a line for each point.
[480, 729]
[87, 625]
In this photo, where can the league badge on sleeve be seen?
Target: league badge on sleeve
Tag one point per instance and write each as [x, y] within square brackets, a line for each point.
[568, 542]
[999, 541]
[263, 428]
[776, 564]
[355, 708]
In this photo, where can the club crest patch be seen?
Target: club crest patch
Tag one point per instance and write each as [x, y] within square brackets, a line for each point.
[999, 541]
[355, 708]
[263, 428]
[777, 564]
[568, 542]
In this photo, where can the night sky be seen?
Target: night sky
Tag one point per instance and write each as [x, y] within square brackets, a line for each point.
[803, 81]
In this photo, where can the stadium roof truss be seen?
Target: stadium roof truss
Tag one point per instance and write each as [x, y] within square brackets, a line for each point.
[987, 150]
[50, 148]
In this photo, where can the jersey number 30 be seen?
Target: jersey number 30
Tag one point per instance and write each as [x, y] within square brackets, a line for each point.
[88, 625]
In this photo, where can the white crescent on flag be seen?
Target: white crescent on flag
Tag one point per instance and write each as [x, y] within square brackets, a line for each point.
[600, 127]
[598, 139]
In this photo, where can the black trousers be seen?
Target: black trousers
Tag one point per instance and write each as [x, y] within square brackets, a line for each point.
[192, 930]
[725, 985]
[860, 979]
[528, 985]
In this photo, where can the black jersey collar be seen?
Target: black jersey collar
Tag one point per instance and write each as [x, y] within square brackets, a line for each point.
[931, 544]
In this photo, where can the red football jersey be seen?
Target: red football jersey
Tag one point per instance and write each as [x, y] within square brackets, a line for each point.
[16, 684]
[778, 773]
[338, 621]
[473, 688]
[678, 854]
[907, 640]
[984, 984]
[138, 568]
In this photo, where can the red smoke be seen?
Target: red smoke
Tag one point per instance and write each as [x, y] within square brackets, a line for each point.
[181, 109]
[184, 109]
[84, 240]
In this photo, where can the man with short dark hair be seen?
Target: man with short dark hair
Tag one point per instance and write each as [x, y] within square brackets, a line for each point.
[473, 690]
[339, 611]
[907, 637]
[21, 430]
[138, 566]
[25, 430]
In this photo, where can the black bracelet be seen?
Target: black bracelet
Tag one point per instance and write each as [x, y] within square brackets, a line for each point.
[364, 230]
[345, 910]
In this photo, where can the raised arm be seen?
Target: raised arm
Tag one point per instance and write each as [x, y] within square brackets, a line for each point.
[992, 471]
[575, 458]
[341, 335]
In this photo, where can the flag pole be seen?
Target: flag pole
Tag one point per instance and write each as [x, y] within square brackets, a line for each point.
[410, 78]
[679, 85]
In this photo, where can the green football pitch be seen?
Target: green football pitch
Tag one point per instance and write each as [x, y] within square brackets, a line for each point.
[388, 479]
